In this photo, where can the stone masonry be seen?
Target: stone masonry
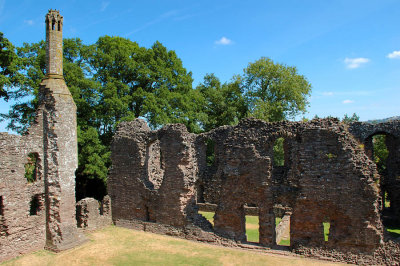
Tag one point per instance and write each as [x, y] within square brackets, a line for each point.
[41, 213]
[157, 177]
[92, 214]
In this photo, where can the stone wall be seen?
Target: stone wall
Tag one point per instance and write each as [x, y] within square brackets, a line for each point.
[157, 176]
[37, 170]
[92, 214]
[390, 181]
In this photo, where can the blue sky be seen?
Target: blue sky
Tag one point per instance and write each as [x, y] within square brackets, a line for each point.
[348, 50]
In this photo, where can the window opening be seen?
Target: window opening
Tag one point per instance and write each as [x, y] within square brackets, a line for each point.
[279, 152]
[59, 26]
[53, 25]
[327, 226]
[282, 230]
[200, 194]
[380, 152]
[31, 167]
[1, 206]
[35, 205]
[210, 152]
[253, 228]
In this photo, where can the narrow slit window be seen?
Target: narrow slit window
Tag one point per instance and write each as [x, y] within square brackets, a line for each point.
[1, 206]
[59, 26]
[327, 226]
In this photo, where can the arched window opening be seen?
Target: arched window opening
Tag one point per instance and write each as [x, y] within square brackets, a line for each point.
[59, 25]
[279, 152]
[53, 25]
[31, 167]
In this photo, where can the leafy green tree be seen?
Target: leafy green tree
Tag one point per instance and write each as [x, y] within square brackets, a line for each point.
[274, 91]
[223, 104]
[10, 65]
[380, 152]
[139, 82]
[31, 67]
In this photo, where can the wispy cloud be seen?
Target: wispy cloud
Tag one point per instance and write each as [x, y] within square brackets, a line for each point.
[353, 63]
[394, 55]
[29, 22]
[347, 101]
[327, 93]
[223, 41]
[104, 5]
[159, 19]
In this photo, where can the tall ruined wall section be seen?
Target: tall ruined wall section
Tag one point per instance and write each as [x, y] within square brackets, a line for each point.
[390, 181]
[326, 177]
[41, 213]
[153, 175]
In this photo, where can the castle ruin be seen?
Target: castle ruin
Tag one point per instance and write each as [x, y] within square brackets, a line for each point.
[159, 179]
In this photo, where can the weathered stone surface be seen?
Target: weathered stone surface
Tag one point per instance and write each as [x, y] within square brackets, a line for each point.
[390, 181]
[42, 213]
[92, 214]
[157, 176]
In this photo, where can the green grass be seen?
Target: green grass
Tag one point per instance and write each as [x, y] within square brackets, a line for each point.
[395, 232]
[120, 246]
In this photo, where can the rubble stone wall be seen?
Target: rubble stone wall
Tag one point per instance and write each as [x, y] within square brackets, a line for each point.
[39, 211]
[390, 182]
[92, 214]
[157, 176]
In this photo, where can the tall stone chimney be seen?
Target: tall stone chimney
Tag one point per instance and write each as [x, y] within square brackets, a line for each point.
[60, 143]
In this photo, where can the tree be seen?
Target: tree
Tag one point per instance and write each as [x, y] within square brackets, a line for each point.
[10, 65]
[349, 119]
[111, 81]
[139, 82]
[223, 104]
[274, 91]
[380, 152]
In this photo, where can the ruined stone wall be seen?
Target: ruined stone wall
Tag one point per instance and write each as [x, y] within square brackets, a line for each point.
[390, 182]
[326, 177]
[92, 214]
[153, 175]
[39, 211]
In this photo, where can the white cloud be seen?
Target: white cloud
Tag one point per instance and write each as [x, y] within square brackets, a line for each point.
[327, 93]
[223, 41]
[393, 55]
[29, 22]
[347, 101]
[104, 5]
[355, 62]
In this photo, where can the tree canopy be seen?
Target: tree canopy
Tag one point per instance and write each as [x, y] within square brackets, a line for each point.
[274, 91]
[116, 79]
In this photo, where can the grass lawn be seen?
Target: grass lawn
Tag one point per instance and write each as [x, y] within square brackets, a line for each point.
[393, 231]
[120, 246]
